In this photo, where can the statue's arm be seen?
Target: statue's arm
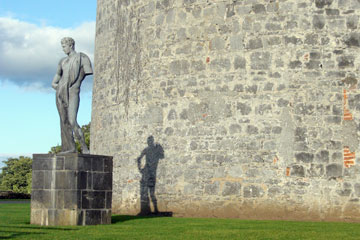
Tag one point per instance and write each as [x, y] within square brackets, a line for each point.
[86, 65]
[57, 76]
[55, 81]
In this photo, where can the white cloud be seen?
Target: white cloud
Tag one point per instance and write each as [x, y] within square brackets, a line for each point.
[30, 53]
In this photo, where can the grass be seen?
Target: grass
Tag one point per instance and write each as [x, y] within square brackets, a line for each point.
[14, 200]
[14, 223]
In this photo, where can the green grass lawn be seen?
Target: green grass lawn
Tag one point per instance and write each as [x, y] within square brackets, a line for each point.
[14, 223]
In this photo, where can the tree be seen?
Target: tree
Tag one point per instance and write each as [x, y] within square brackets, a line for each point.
[86, 130]
[16, 175]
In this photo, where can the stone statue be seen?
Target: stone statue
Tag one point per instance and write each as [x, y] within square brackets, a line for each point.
[70, 73]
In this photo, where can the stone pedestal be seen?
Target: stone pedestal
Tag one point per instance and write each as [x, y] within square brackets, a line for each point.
[71, 189]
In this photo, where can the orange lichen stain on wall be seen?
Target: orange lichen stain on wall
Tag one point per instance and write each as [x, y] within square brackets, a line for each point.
[306, 57]
[287, 171]
[349, 157]
[207, 59]
[347, 114]
[275, 160]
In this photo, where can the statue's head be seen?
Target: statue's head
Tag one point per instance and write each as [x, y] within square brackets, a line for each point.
[68, 45]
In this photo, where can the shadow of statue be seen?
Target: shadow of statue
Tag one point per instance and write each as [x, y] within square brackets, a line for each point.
[153, 153]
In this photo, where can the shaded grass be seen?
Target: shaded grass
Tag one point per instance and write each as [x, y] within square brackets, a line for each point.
[17, 199]
[14, 223]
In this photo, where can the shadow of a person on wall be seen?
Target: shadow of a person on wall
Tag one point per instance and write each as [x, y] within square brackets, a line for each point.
[153, 153]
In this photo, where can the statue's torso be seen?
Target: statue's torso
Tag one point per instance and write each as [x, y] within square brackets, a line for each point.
[66, 68]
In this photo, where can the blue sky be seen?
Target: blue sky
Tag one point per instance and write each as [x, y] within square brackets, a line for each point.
[30, 34]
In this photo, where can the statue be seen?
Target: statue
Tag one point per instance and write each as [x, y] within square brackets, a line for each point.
[70, 73]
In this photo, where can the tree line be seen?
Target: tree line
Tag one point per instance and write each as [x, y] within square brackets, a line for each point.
[16, 175]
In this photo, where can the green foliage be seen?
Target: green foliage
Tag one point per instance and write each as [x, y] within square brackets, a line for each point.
[1, 188]
[86, 130]
[55, 149]
[16, 175]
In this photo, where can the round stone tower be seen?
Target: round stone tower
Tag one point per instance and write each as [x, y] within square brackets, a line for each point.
[230, 108]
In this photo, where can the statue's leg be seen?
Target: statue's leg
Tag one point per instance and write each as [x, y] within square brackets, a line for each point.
[67, 139]
[74, 101]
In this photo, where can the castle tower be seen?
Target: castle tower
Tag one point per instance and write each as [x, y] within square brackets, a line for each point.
[253, 107]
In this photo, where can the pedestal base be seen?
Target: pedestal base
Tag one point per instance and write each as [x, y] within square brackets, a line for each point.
[71, 189]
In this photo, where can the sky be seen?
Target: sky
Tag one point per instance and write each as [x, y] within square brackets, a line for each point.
[30, 34]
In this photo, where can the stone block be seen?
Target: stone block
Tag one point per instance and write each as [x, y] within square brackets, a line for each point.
[85, 163]
[323, 3]
[82, 180]
[41, 199]
[236, 42]
[254, 43]
[179, 67]
[345, 61]
[108, 201]
[106, 217]
[239, 63]
[43, 162]
[295, 64]
[316, 170]
[60, 180]
[352, 22]
[304, 157]
[259, 9]
[212, 189]
[334, 170]
[93, 199]
[322, 156]
[73, 199]
[97, 165]
[318, 22]
[59, 199]
[62, 190]
[38, 179]
[253, 191]
[353, 39]
[297, 171]
[48, 176]
[260, 60]
[93, 217]
[102, 181]
[357, 189]
[71, 163]
[292, 40]
[59, 162]
[220, 64]
[231, 188]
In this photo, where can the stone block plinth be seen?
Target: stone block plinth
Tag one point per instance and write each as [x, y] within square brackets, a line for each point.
[71, 189]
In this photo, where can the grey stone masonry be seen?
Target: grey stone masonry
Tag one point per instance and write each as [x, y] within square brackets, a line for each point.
[254, 103]
[71, 189]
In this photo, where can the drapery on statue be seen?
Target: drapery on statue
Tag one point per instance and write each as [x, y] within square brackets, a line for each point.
[70, 73]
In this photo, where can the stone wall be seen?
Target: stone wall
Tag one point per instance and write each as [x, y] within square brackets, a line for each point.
[255, 104]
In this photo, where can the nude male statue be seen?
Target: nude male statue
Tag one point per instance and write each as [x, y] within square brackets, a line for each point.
[70, 73]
